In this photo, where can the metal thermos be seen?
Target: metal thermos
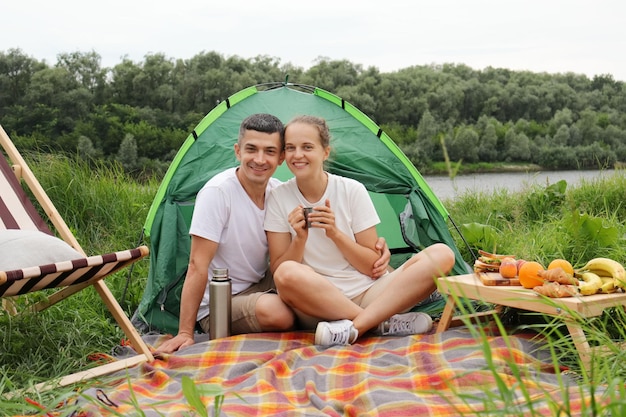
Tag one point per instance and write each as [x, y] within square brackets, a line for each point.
[220, 295]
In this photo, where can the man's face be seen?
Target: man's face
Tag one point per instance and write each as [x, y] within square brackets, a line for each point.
[259, 155]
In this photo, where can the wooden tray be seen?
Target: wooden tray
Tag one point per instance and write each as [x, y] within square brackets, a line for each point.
[495, 279]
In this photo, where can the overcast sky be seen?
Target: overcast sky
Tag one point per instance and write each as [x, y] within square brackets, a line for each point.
[585, 37]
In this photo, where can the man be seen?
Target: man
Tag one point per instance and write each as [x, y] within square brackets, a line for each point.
[227, 232]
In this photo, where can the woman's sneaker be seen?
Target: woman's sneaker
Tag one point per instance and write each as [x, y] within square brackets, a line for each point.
[405, 324]
[340, 332]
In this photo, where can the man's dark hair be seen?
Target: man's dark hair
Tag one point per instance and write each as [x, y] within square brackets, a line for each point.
[263, 122]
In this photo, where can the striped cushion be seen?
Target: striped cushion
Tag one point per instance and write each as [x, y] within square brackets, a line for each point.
[65, 273]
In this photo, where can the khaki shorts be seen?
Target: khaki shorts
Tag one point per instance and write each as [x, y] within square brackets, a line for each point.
[364, 299]
[243, 306]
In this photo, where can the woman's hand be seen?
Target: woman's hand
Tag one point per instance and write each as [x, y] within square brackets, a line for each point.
[297, 221]
[324, 218]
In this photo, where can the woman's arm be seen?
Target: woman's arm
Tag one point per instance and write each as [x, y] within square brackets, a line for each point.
[361, 254]
[282, 247]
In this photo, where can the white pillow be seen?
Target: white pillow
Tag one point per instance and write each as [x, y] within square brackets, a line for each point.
[24, 248]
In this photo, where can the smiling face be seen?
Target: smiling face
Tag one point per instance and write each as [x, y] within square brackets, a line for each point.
[304, 152]
[259, 154]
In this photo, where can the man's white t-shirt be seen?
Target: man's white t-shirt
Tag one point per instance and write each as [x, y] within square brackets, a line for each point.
[224, 213]
[354, 212]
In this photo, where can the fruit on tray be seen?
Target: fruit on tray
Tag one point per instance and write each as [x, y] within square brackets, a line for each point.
[529, 274]
[508, 268]
[591, 283]
[598, 276]
[607, 268]
[562, 263]
[560, 279]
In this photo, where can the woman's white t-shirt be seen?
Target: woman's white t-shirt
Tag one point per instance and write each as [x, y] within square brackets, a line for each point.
[354, 212]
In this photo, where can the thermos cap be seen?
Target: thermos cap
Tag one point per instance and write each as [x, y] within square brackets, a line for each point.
[220, 274]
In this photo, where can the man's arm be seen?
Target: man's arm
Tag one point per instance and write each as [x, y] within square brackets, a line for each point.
[202, 252]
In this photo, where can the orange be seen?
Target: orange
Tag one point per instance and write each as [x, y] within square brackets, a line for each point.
[567, 267]
[528, 276]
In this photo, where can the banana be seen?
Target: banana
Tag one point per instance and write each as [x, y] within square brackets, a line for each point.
[608, 285]
[591, 283]
[607, 267]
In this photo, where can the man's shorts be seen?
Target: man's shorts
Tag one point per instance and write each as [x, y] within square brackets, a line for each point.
[243, 306]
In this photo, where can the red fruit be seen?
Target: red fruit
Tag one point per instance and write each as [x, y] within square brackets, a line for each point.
[520, 262]
[508, 268]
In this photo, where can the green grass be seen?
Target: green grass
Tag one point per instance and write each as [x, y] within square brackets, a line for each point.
[106, 209]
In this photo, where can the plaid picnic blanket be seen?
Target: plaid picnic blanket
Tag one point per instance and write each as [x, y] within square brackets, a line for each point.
[285, 374]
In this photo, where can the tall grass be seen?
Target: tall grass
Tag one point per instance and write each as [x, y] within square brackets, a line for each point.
[106, 209]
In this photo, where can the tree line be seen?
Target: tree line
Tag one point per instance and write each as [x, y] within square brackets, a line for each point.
[139, 113]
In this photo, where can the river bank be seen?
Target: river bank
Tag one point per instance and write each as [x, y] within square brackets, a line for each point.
[441, 169]
[446, 188]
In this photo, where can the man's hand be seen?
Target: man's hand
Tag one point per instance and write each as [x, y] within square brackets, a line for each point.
[180, 341]
[381, 265]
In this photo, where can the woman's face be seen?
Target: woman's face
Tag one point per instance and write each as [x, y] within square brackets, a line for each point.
[304, 152]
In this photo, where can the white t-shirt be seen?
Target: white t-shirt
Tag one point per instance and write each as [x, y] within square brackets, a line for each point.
[354, 212]
[224, 213]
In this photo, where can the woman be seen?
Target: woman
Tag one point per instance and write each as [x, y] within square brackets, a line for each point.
[322, 271]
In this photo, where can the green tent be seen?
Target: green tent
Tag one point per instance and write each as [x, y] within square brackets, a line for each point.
[411, 215]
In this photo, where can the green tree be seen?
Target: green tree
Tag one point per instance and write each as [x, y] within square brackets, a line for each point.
[508, 141]
[519, 149]
[16, 72]
[122, 84]
[488, 145]
[561, 137]
[427, 128]
[85, 68]
[594, 156]
[59, 99]
[331, 75]
[557, 157]
[587, 124]
[85, 148]
[561, 117]
[464, 146]
[127, 154]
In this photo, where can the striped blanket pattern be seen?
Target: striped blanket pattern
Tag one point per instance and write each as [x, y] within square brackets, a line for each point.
[285, 374]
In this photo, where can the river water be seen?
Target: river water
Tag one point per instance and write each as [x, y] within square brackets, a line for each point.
[447, 189]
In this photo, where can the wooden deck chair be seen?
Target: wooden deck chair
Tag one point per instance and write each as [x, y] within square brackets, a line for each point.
[18, 212]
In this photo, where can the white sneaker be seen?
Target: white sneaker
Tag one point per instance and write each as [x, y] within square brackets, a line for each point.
[405, 324]
[340, 332]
